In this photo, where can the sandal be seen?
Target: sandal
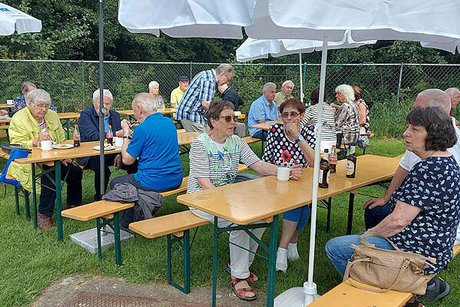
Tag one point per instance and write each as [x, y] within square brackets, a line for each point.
[252, 276]
[243, 292]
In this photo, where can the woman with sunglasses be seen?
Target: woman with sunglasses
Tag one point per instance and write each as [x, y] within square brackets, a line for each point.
[214, 159]
[288, 143]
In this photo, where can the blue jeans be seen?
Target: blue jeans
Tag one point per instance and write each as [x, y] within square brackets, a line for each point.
[299, 215]
[374, 216]
[339, 249]
[260, 134]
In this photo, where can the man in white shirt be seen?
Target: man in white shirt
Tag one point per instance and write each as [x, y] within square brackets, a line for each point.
[377, 208]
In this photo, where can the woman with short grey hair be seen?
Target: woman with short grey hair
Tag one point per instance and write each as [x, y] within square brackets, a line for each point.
[346, 116]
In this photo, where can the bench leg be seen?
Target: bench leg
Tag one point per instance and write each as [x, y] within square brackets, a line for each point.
[34, 194]
[116, 234]
[186, 261]
[98, 230]
[16, 199]
[26, 203]
[351, 202]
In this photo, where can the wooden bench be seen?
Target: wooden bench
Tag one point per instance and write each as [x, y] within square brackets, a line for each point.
[250, 139]
[176, 227]
[346, 295]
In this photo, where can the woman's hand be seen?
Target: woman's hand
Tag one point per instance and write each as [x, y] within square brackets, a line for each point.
[296, 172]
[292, 130]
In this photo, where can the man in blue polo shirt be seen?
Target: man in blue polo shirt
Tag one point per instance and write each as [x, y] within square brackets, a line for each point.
[154, 144]
[262, 110]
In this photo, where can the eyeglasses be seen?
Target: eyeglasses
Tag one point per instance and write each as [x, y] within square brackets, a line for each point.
[42, 106]
[287, 114]
[229, 118]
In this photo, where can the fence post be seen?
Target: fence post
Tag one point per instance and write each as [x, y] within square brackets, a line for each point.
[400, 81]
[191, 71]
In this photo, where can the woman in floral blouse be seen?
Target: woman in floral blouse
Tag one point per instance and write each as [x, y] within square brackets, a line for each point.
[290, 143]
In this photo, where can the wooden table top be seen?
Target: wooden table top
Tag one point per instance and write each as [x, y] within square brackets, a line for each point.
[162, 111]
[267, 125]
[6, 106]
[186, 138]
[246, 202]
[62, 116]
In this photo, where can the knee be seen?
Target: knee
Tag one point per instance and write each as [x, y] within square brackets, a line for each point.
[332, 246]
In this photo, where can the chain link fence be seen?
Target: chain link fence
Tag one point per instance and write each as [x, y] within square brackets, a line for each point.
[71, 83]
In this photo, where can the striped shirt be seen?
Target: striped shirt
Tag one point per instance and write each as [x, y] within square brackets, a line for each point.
[218, 162]
[328, 132]
[202, 87]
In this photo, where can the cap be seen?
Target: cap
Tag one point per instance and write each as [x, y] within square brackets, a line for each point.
[183, 78]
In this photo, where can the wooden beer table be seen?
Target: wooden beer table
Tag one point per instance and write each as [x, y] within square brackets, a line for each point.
[6, 106]
[265, 127]
[164, 111]
[242, 204]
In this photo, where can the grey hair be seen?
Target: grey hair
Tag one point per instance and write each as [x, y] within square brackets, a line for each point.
[451, 91]
[38, 95]
[434, 97]
[267, 86]
[287, 82]
[146, 101]
[224, 68]
[27, 84]
[106, 93]
[151, 84]
[346, 91]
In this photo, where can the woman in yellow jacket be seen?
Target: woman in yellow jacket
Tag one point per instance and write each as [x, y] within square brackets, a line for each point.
[28, 127]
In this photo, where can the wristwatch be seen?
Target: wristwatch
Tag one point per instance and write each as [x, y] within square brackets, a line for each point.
[127, 137]
[300, 138]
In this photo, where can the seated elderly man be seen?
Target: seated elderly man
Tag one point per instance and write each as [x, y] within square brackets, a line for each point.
[286, 92]
[20, 102]
[28, 127]
[262, 110]
[178, 92]
[88, 124]
[154, 144]
[454, 95]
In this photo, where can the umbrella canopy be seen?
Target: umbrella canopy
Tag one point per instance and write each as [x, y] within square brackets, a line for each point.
[13, 20]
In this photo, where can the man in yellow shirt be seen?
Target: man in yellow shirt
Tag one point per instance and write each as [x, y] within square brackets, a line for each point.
[177, 93]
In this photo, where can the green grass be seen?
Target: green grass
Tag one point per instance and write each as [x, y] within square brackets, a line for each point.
[31, 260]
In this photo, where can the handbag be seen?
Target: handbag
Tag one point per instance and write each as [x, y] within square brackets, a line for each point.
[386, 269]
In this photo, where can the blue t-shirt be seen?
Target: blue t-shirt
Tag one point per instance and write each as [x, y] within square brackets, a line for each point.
[261, 109]
[155, 144]
[433, 185]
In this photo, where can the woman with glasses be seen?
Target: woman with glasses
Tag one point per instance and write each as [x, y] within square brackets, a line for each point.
[214, 159]
[289, 143]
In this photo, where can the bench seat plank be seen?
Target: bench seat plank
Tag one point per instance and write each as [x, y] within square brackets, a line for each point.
[250, 139]
[167, 224]
[96, 209]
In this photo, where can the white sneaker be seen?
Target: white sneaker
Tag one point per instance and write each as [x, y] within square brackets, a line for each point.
[292, 254]
[281, 259]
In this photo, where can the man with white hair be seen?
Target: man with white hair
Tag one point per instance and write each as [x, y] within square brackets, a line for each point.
[198, 96]
[286, 92]
[454, 95]
[262, 110]
[88, 124]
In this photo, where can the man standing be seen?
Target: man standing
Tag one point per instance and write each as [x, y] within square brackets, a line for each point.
[285, 94]
[454, 95]
[178, 92]
[262, 110]
[198, 96]
[88, 124]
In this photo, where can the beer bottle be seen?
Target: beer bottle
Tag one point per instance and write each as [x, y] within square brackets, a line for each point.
[351, 163]
[324, 170]
[333, 160]
[109, 136]
[76, 137]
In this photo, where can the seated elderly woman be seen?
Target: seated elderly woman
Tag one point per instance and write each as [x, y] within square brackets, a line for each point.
[298, 142]
[28, 127]
[426, 207]
[214, 159]
[154, 90]
[346, 117]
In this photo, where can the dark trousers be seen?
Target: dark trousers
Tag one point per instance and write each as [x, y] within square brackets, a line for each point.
[374, 216]
[95, 165]
[72, 175]
[261, 135]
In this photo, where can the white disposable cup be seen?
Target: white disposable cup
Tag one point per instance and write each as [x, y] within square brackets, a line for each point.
[10, 102]
[118, 142]
[45, 145]
[283, 173]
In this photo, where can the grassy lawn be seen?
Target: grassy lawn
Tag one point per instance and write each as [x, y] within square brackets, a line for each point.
[31, 260]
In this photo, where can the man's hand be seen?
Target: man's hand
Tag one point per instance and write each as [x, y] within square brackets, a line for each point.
[126, 127]
[375, 202]
[3, 112]
[117, 162]
[205, 104]
[65, 162]
[296, 172]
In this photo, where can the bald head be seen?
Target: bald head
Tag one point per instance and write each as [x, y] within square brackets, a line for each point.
[454, 95]
[433, 98]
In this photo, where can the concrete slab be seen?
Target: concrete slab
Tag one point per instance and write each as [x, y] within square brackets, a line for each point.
[88, 239]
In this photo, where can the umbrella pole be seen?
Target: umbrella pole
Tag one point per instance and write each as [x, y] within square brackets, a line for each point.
[301, 77]
[101, 95]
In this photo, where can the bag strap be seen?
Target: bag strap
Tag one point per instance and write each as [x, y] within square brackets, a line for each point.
[374, 289]
[368, 234]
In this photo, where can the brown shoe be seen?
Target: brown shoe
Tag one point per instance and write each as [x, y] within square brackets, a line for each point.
[44, 221]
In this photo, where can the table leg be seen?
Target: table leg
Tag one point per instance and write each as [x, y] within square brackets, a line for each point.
[351, 202]
[34, 194]
[214, 262]
[272, 261]
[58, 184]
[116, 236]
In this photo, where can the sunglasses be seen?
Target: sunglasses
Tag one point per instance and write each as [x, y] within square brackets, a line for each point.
[287, 114]
[229, 118]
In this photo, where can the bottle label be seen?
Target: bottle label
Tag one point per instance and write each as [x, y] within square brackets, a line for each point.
[321, 175]
[350, 167]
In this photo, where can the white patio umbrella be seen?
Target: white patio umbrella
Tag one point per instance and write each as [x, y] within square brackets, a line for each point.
[13, 20]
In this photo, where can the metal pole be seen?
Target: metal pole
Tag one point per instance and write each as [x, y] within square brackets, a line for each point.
[300, 73]
[400, 80]
[101, 94]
